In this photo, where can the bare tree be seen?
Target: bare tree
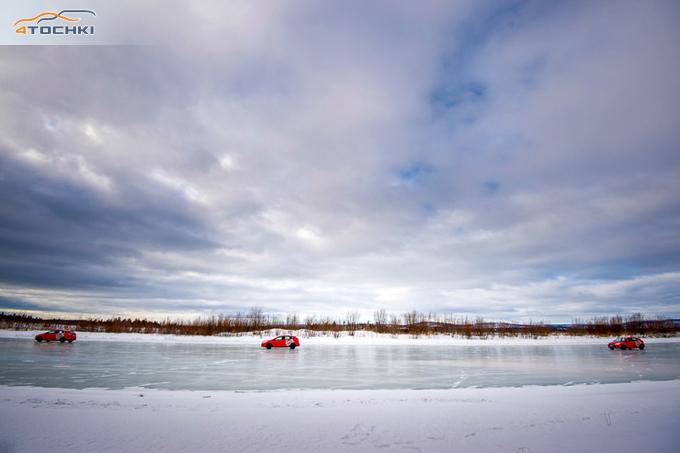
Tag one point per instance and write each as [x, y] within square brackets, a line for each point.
[352, 318]
[310, 321]
[411, 318]
[380, 318]
[256, 318]
[292, 320]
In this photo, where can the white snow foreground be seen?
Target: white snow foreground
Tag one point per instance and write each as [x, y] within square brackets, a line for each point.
[337, 338]
[639, 416]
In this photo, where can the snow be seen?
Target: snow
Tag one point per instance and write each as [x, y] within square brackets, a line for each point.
[342, 338]
[640, 416]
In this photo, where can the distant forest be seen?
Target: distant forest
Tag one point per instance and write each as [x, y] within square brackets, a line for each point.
[411, 323]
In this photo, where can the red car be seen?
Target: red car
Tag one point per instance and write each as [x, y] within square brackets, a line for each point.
[282, 341]
[56, 335]
[626, 343]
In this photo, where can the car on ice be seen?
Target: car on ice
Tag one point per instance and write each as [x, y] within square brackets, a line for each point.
[282, 341]
[56, 335]
[626, 343]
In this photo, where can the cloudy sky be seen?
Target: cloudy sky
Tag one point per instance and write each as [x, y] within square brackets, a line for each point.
[512, 160]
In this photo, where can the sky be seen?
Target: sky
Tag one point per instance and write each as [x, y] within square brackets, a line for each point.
[513, 160]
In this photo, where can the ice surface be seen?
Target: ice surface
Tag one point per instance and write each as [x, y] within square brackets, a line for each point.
[245, 366]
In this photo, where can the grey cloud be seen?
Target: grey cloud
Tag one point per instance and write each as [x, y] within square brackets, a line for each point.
[325, 158]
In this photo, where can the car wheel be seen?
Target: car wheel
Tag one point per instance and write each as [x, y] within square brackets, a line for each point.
[611, 347]
[292, 346]
[641, 346]
[269, 346]
[624, 347]
[70, 341]
[62, 340]
[39, 339]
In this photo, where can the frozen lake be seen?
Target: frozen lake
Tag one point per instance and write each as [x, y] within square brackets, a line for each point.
[190, 366]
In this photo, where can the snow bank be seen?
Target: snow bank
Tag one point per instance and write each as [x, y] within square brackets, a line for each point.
[344, 338]
[641, 416]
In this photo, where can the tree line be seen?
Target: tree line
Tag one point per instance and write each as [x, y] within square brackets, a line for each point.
[412, 323]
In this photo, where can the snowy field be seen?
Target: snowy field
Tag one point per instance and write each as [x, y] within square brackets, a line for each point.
[633, 417]
[343, 338]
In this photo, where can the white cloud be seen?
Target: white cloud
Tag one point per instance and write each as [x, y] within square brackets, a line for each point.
[310, 236]
[88, 174]
[189, 191]
[92, 134]
[228, 162]
[34, 156]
